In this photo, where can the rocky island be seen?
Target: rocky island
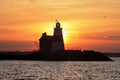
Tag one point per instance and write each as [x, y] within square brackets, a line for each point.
[51, 48]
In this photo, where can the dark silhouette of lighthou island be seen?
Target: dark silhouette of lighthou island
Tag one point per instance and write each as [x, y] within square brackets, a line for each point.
[51, 48]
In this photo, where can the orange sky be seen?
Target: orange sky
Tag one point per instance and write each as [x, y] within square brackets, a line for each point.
[87, 24]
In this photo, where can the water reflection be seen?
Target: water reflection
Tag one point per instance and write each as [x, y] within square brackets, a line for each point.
[38, 70]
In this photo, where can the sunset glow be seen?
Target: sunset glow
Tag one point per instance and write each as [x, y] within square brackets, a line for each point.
[87, 24]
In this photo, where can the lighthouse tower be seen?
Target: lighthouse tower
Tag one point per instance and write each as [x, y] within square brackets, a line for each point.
[58, 43]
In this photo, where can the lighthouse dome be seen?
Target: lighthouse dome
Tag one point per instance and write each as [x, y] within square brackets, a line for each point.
[57, 24]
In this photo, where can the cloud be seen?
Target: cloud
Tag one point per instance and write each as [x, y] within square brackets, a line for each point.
[5, 43]
[16, 45]
[33, 1]
[114, 25]
[110, 35]
[7, 31]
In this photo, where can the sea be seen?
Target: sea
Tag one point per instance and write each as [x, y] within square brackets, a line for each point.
[60, 70]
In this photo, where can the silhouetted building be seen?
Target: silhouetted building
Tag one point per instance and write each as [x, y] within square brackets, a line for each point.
[52, 43]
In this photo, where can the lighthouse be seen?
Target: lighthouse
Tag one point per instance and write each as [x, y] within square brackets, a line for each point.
[58, 43]
[52, 43]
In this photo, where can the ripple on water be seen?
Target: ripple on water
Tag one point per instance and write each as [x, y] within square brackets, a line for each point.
[43, 70]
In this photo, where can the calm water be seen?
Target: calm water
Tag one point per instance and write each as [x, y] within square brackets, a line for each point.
[40, 70]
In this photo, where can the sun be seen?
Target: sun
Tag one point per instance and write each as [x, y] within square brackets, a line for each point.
[67, 29]
[65, 36]
[66, 26]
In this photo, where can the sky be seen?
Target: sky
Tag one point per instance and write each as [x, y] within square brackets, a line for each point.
[87, 24]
